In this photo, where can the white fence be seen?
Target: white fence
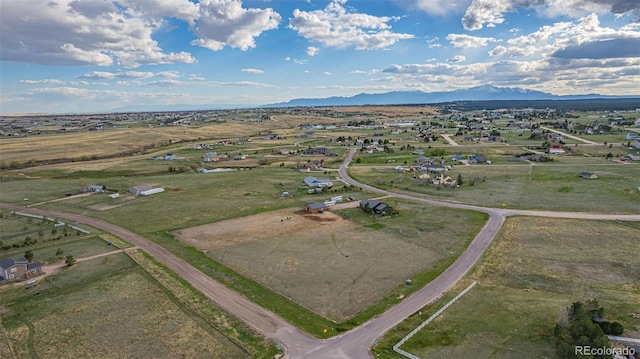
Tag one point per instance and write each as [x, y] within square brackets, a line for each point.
[396, 348]
[56, 224]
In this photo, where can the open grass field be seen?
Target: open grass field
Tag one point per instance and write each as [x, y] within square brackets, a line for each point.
[107, 308]
[553, 186]
[300, 248]
[189, 199]
[332, 265]
[534, 270]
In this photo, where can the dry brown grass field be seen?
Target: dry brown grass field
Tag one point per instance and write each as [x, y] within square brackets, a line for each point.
[109, 142]
[126, 140]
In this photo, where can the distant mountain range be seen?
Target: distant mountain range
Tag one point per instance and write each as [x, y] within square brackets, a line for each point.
[479, 93]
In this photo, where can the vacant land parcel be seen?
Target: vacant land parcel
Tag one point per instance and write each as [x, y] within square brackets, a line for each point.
[534, 270]
[334, 266]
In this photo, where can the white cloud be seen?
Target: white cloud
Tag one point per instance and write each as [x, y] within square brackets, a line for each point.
[557, 75]
[358, 72]
[237, 84]
[253, 71]
[433, 43]
[105, 75]
[467, 41]
[336, 27]
[457, 58]
[327, 73]
[69, 32]
[553, 38]
[180, 9]
[135, 74]
[98, 75]
[44, 81]
[226, 23]
[491, 12]
[498, 51]
[439, 7]
[167, 83]
[312, 51]
[482, 12]
[287, 59]
[168, 74]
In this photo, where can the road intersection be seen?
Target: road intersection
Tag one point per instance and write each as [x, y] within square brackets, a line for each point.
[355, 343]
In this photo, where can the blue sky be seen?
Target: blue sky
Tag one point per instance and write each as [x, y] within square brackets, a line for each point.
[102, 55]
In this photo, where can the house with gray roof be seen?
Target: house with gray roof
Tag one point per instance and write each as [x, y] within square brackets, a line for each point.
[17, 269]
[373, 205]
[313, 182]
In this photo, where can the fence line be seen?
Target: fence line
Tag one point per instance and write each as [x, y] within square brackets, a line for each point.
[56, 224]
[396, 348]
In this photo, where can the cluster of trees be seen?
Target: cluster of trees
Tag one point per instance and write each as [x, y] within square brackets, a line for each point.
[387, 211]
[177, 169]
[361, 123]
[583, 325]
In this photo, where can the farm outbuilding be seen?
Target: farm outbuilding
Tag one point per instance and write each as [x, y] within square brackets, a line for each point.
[140, 188]
[317, 207]
[151, 191]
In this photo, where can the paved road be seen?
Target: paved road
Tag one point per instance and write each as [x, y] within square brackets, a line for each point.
[355, 343]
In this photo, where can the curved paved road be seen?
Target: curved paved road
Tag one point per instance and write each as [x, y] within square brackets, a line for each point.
[355, 343]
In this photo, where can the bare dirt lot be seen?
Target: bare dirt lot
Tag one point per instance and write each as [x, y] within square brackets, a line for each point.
[259, 227]
[333, 266]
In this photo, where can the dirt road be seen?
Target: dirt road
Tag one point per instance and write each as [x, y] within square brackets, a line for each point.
[355, 343]
[570, 136]
[450, 140]
[264, 321]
